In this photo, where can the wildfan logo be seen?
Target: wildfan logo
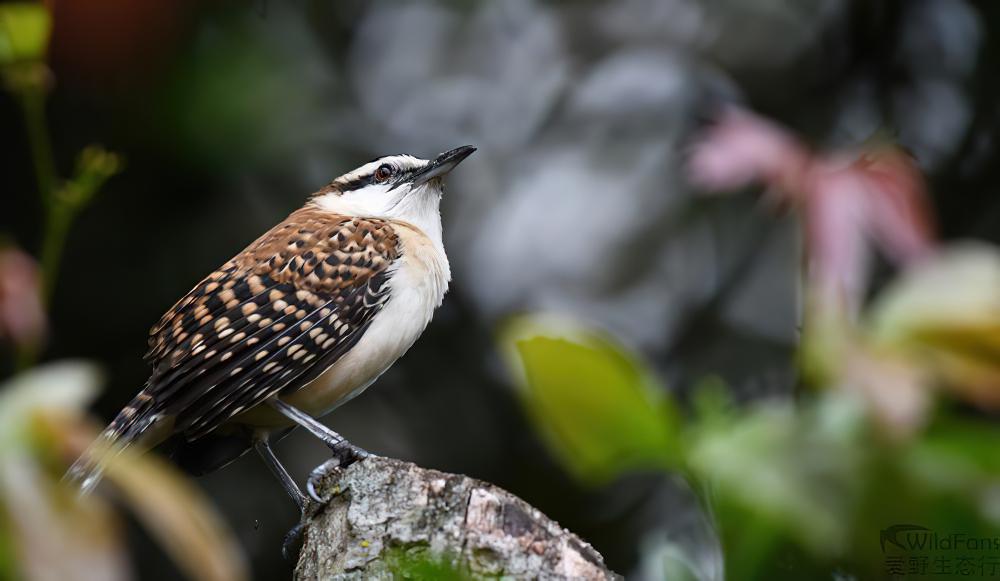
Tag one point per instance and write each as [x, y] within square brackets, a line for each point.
[916, 538]
[890, 535]
[917, 552]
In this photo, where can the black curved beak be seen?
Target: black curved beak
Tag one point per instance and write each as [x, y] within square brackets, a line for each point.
[442, 164]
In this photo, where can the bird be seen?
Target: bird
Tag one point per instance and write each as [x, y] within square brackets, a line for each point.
[302, 320]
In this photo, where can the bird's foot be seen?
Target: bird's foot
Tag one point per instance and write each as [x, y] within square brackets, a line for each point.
[345, 454]
[292, 543]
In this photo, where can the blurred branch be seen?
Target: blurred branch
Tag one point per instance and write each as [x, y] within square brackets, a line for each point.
[32, 101]
[386, 517]
[94, 167]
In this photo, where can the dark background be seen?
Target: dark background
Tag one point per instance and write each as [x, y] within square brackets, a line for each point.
[229, 113]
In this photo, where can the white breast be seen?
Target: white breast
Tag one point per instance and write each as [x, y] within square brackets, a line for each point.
[417, 287]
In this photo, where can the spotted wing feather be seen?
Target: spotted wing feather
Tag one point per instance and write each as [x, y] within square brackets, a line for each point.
[271, 319]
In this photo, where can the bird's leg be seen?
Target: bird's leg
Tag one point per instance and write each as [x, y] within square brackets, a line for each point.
[292, 538]
[345, 452]
[263, 447]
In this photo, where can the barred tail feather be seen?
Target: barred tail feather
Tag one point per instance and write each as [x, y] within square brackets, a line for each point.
[123, 431]
[88, 469]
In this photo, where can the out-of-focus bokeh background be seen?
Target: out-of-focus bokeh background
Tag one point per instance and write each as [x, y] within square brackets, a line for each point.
[579, 202]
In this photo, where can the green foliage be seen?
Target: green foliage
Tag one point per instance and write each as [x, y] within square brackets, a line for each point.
[601, 411]
[237, 100]
[784, 474]
[796, 489]
[8, 564]
[24, 32]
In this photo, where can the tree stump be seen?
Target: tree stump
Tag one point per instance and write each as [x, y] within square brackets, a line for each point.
[384, 514]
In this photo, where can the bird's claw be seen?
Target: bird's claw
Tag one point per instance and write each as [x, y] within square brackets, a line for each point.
[315, 476]
[345, 455]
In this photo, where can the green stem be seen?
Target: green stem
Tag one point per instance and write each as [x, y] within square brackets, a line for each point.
[58, 220]
[25, 356]
[61, 202]
[33, 105]
[57, 216]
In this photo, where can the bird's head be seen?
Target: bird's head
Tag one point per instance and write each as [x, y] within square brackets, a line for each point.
[400, 187]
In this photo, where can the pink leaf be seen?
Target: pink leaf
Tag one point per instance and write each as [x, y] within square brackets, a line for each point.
[742, 148]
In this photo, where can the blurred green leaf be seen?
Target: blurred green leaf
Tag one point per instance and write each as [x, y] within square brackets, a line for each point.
[24, 31]
[8, 566]
[780, 478]
[799, 490]
[600, 409]
[94, 166]
[956, 455]
[237, 98]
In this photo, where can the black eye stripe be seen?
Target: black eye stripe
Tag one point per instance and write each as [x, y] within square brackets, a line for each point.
[399, 176]
[358, 183]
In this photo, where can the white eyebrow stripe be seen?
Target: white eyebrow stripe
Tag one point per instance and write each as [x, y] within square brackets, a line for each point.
[403, 162]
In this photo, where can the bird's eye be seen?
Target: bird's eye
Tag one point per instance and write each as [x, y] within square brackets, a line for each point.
[384, 172]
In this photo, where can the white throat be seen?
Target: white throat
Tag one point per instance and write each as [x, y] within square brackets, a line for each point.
[419, 207]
